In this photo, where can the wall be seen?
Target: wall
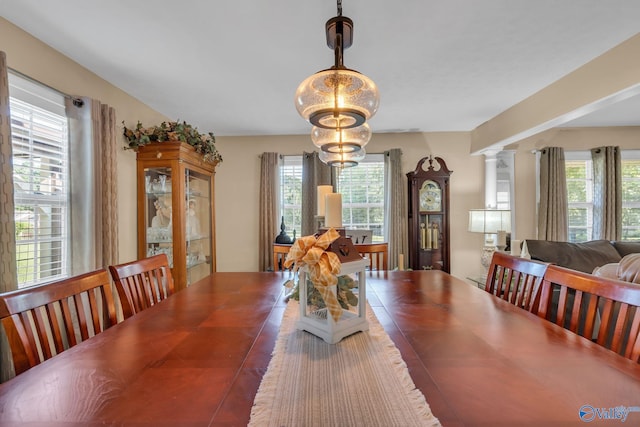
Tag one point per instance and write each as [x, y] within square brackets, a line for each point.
[35, 59]
[237, 190]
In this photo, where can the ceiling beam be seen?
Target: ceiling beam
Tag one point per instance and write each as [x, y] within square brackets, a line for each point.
[607, 79]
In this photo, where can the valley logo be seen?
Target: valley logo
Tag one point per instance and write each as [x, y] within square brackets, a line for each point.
[589, 413]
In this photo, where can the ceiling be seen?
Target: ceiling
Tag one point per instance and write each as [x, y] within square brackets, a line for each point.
[232, 67]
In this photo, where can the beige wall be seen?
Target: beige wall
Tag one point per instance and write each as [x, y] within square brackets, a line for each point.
[237, 177]
[237, 196]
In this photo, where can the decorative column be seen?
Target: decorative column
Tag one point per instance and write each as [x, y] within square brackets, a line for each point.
[490, 180]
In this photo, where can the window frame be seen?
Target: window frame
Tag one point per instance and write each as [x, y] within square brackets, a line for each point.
[295, 161]
[40, 140]
[348, 207]
[585, 156]
[630, 155]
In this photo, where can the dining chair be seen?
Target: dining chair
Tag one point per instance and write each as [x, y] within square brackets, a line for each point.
[515, 280]
[45, 320]
[142, 283]
[280, 251]
[601, 309]
[376, 253]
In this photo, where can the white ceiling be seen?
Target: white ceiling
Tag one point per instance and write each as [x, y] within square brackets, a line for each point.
[232, 67]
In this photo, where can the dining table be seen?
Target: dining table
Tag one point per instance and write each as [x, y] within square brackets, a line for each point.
[197, 359]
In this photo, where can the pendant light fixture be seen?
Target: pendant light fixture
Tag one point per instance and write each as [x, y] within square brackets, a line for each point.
[338, 101]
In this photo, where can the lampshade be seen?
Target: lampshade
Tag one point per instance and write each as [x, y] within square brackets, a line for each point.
[489, 220]
[345, 160]
[341, 140]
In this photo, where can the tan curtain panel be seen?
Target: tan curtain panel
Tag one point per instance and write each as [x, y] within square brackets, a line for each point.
[8, 273]
[314, 173]
[268, 209]
[607, 193]
[552, 210]
[395, 206]
[108, 136]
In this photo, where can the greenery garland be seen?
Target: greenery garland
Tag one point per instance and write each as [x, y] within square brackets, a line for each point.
[173, 131]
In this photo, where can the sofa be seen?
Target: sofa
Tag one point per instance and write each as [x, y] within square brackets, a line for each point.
[614, 259]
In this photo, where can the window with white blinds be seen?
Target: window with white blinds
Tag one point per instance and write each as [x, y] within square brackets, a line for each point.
[362, 189]
[39, 131]
[580, 182]
[291, 194]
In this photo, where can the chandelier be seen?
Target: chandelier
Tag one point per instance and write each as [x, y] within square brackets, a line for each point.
[338, 101]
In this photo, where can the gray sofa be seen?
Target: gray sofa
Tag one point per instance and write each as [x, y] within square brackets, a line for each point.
[581, 256]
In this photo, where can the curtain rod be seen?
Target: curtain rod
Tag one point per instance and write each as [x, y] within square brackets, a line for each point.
[76, 101]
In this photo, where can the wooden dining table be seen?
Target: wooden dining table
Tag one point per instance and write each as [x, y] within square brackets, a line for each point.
[197, 359]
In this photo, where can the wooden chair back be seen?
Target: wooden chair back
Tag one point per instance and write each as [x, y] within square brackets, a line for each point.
[516, 280]
[142, 283]
[376, 253]
[45, 320]
[597, 308]
[280, 252]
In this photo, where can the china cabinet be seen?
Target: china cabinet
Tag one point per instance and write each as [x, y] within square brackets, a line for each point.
[429, 247]
[176, 213]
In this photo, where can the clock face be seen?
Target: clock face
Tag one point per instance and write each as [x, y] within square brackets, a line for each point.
[430, 196]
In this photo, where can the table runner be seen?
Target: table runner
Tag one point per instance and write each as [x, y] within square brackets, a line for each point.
[360, 381]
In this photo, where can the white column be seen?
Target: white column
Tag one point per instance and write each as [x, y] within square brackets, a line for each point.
[490, 180]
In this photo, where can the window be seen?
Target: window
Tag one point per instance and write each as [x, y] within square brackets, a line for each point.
[579, 172]
[40, 174]
[291, 194]
[504, 180]
[631, 195]
[362, 190]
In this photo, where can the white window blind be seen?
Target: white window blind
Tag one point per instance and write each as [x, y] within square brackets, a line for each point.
[291, 194]
[362, 189]
[579, 175]
[579, 171]
[40, 172]
[631, 195]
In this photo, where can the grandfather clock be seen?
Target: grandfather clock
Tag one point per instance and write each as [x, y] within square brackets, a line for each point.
[429, 216]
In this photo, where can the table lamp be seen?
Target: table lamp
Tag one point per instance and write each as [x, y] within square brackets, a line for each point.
[490, 222]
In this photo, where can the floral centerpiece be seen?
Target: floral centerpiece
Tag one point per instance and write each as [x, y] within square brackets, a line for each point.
[173, 131]
[330, 285]
[323, 265]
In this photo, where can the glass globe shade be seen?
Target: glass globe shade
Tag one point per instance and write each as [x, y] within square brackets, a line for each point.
[341, 140]
[343, 160]
[337, 98]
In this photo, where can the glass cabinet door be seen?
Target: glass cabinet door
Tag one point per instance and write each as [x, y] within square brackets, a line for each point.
[158, 212]
[175, 209]
[198, 218]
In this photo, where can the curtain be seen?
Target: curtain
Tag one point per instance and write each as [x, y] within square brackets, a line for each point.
[268, 209]
[8, 272]
[395, 216]
[104, 119]
[94, 216]
[607, 193]
[314, 173]
[552, 210]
